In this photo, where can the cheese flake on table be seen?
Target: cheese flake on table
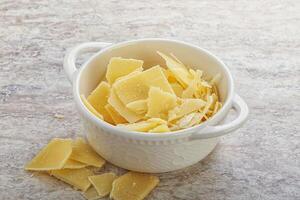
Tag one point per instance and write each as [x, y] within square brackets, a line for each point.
[82, 152]
[53, 156]
[119, 67]
[133, 186]
[73, 164]
[103, 183]
[91, 194]
[78, 178]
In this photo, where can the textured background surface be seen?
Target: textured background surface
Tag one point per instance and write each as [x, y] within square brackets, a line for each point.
[258, 40]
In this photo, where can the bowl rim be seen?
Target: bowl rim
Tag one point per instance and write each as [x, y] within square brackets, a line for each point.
[142, 135]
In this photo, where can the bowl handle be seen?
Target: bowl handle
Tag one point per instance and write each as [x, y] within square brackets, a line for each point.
[71, 56]
[242, 110]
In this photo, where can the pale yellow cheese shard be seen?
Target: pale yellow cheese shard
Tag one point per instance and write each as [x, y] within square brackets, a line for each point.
[53, 156]
[91, 194]
[139, 106]
[136, 87]
[157, 120]
[169, 75]
[133, 186]
[98, 99]
[178, 69]
[119, 67]
[117, 118]
[90, 107]
[159, 103]
[192, 88]
[188, 106]
[142, 126]
[83, 153]
[207, 106]
[78, 178]
[103, 183]
[177, 88]
[129, 115]
[73, 164]
[160, 129]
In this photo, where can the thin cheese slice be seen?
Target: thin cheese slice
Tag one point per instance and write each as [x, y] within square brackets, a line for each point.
[157, 120]
[169, 75]
[78, 178]
[119, 67]
[177, 88]
[133, 186]
[51, 157]
[159, 103]
[103, 183]
[129, 115]
[143, 126]
[137, 86]
[188, 106]
[160, 129]
[98, 99]
[73, 164]
[139, 106]
[82, 152]
[178, 69]
[90, 107]
[192, 88]
[117, 118]
[91, 194]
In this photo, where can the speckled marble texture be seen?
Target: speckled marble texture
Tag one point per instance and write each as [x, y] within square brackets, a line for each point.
[258, 40]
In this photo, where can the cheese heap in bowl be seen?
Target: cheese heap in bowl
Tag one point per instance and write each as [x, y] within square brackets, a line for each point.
[158, 99]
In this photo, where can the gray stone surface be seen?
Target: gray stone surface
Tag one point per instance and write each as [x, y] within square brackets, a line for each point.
[258, 40]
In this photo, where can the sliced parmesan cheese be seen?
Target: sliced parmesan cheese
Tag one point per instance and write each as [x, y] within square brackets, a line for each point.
[53, 156]
[98, 99]
[129, 115]
[143, 126]
[169, 75]
[137, 86]
[159, 103]
[103, 183]
[178, 69]
[83, 153]
[91, 194]
[73, 164]
[119, 67]
[157, 120]
[78, 178]
[133, 186]
[207, 106]
[190, 90]
[90, 107]
[117, 118]
[139, 106]
[188, 106]
[160, 129]
[177, 88]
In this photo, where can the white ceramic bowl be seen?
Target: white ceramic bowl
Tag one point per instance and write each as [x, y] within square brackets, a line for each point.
[152, 152]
